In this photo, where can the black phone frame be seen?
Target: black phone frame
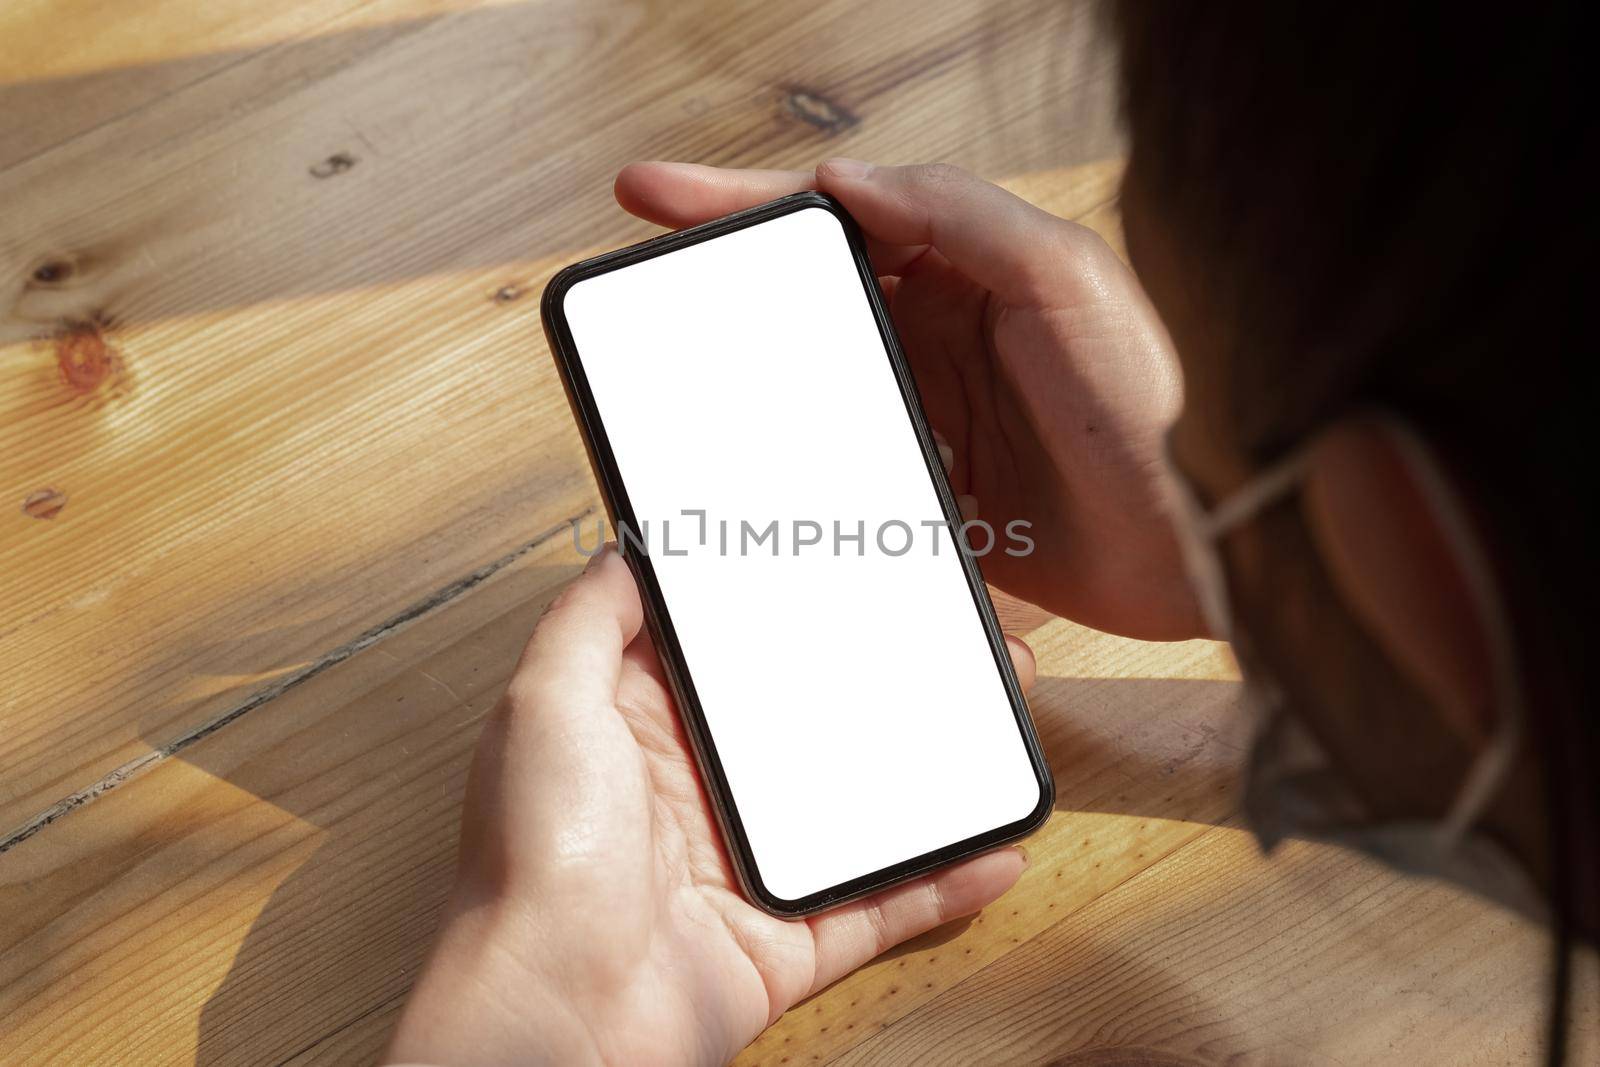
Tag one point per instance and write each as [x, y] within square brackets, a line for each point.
[658, 619]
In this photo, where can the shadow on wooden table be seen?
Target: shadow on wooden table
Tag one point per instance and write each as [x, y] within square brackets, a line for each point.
[369, 154]
[361, 770]
[325, 967]
[345, 160]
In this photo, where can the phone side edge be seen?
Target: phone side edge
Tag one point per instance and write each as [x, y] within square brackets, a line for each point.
[984, 604]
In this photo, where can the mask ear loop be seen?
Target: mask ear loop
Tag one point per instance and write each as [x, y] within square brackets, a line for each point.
[1492, 766]
[1200, 532]
[1251, 498]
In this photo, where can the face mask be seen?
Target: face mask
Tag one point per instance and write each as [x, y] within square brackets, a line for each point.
[1292, 788]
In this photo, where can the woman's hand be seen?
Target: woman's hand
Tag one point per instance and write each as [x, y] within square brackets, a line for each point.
[1038, 358]
[595, 917]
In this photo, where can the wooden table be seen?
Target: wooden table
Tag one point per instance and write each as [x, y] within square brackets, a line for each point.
[286, 476]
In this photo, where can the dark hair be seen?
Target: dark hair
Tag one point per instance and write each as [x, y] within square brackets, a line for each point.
[1385, 202]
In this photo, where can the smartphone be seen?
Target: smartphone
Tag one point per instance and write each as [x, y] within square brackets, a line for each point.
[774, 485]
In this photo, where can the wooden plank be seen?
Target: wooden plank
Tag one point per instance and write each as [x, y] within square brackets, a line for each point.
[52, 40]
[69, 66]
[1217, 955]
[269, 372]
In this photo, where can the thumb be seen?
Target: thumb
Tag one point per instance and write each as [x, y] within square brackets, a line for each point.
[575, 653]
[556, 772]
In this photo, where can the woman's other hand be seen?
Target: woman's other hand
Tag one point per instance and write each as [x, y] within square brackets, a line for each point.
[595, 917]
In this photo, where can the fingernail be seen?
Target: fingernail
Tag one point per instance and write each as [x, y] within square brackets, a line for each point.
[849, 169]
[947, 456]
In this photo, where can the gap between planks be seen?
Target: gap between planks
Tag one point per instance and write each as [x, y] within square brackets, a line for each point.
[134, 767]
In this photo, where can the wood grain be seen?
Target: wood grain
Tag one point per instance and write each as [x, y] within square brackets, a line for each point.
[291, 478]
[1217, 955]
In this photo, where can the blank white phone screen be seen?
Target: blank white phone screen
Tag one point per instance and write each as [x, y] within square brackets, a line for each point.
[848, 685]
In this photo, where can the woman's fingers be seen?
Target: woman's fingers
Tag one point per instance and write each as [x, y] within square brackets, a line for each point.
[1022, 658]
[947, 455]
[999, 240]
[545, 778]
[575, 654]
[854, 933]
[686, 194]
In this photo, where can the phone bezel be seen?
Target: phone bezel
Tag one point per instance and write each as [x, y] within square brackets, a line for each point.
[658, 618]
